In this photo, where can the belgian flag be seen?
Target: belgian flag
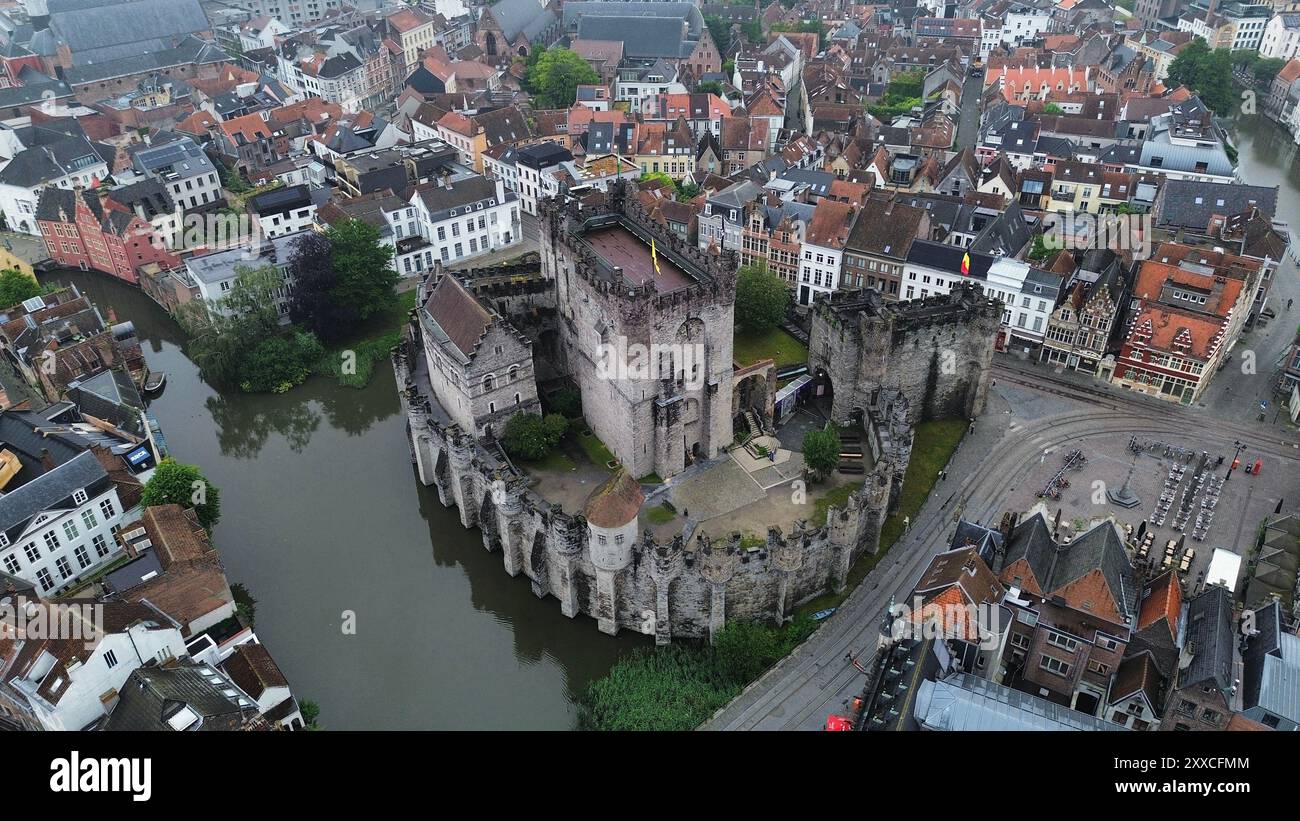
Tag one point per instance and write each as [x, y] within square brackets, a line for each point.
[965, 265]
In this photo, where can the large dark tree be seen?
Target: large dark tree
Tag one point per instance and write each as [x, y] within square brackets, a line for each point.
[312, 304]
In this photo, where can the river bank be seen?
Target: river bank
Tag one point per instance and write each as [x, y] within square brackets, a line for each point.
[322, 515]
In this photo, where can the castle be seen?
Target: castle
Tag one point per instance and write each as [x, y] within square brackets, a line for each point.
[598, 281]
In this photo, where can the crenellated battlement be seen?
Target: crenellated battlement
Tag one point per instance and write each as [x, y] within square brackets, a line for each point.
[690, 588]
[564, 222]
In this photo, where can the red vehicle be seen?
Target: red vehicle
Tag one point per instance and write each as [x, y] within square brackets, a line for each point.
[836, 723]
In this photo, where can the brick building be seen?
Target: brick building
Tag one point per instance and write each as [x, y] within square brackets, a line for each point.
[81, 230]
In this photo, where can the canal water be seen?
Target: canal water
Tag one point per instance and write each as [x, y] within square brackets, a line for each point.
[1267, 156]
[321, 515]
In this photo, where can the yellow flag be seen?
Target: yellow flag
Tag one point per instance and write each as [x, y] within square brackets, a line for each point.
[654, 256]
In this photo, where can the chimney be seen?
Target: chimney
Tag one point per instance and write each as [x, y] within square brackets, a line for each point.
[47, 461]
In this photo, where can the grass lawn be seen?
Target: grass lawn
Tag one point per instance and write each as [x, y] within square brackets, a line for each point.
[651, 479]
[595, 449]
[932, 447]
[835, 496]
[659, 515]
[775, 344]
[555, 462]
[370, 344]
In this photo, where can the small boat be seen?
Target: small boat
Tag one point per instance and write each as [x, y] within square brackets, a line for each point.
[155, 381]
[823, 614]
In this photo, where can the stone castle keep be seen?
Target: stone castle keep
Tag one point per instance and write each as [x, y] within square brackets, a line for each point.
[592, 285]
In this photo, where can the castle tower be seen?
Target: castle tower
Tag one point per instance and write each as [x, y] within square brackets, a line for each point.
[717, 566]
[611, 513]
[787, 559]
[666, 565]
[647, 319]
[565, 538]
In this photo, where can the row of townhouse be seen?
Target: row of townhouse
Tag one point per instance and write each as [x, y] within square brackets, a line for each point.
[1056, 625]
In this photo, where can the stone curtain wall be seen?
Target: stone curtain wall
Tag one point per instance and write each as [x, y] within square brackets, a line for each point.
[670, 590]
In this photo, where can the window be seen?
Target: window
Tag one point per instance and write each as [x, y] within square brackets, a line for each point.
[106, 508]
[110, 659]
[1209, 715]
[11, 564]
[1055, 666]
[618, 539]
[32, 553]
[1098, 668]
[70, 530]
[1062, 641]
[101, 546]
[51, 540]
[79, 497]
[44, 579]
[65, 569]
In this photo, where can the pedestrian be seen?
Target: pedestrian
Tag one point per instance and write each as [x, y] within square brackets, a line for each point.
[1288, 304]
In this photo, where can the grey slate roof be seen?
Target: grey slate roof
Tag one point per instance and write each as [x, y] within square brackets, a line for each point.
[191, 50]
[1271, 680]
[119, 30]
[1209, 639]
[526, 16]
[641, 36]
[153, 695]
[441, 199]
[576, 11]
[1179, 204]
[1032, 541]
[43, 492]
[50, 154]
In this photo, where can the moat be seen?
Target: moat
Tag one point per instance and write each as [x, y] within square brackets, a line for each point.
[322, 514]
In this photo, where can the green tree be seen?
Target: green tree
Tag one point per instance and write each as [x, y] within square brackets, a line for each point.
[659, 176]
[1053, 108]
[555, 77]
[364, 278]
[821, 450]
[223, 332]
[233, 182]
[687, 191]
[1206, 72]
[720, 31]
[176, 483]
[15, 286]
[310, 712]
[761, 298]
[710, 87]
[529, 436]
[278, 363]
[245, 604]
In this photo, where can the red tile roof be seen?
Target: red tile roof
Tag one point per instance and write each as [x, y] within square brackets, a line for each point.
[616, 502]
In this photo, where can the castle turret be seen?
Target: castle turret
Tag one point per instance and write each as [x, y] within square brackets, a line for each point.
[611, 513]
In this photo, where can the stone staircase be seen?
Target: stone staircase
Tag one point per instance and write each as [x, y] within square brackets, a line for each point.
[851, 461]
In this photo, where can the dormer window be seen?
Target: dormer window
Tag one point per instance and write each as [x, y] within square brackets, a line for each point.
[79, 497]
